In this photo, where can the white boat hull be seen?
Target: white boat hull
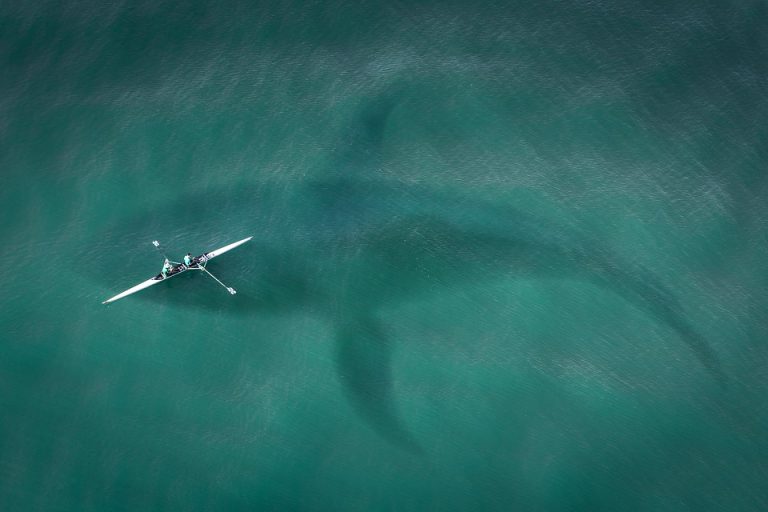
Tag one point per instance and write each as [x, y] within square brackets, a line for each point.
[226, 248]
[198, 262]
[137, 288]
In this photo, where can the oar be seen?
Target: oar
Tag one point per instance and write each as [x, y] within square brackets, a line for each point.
[231, 290]
[157, 245]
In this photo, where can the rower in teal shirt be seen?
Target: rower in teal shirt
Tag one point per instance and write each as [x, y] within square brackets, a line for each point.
[188, 259]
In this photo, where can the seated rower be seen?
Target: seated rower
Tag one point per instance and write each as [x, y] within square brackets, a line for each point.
[188, 259]
[166, 268]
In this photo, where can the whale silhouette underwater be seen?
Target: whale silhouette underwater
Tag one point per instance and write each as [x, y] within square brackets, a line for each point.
[345, 245]
[345, 248]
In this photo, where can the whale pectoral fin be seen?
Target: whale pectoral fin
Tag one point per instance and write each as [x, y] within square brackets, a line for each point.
[364, 367]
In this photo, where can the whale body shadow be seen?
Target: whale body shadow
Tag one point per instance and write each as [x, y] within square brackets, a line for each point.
[372, 244]
[343, 245]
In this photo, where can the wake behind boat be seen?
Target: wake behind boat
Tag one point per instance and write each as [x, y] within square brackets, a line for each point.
[175, 268]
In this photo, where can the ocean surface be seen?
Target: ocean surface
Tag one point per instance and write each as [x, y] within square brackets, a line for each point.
[506, 256]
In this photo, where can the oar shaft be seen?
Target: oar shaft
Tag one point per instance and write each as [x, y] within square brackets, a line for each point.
[229, 288]
[157, 246]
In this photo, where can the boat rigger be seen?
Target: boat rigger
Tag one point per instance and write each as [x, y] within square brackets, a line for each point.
[174, 268]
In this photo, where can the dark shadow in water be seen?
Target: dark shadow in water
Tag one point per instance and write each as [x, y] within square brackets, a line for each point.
[418, 254]
[364, 355]
[640, 288]
[419, 251]
[403, 240]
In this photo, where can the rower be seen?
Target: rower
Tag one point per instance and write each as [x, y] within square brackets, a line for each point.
[166, 268]
[188, 259]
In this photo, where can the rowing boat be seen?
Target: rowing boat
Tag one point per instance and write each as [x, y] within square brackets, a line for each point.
[197, 263]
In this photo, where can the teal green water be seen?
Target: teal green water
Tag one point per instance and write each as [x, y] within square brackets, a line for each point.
[505, 257]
